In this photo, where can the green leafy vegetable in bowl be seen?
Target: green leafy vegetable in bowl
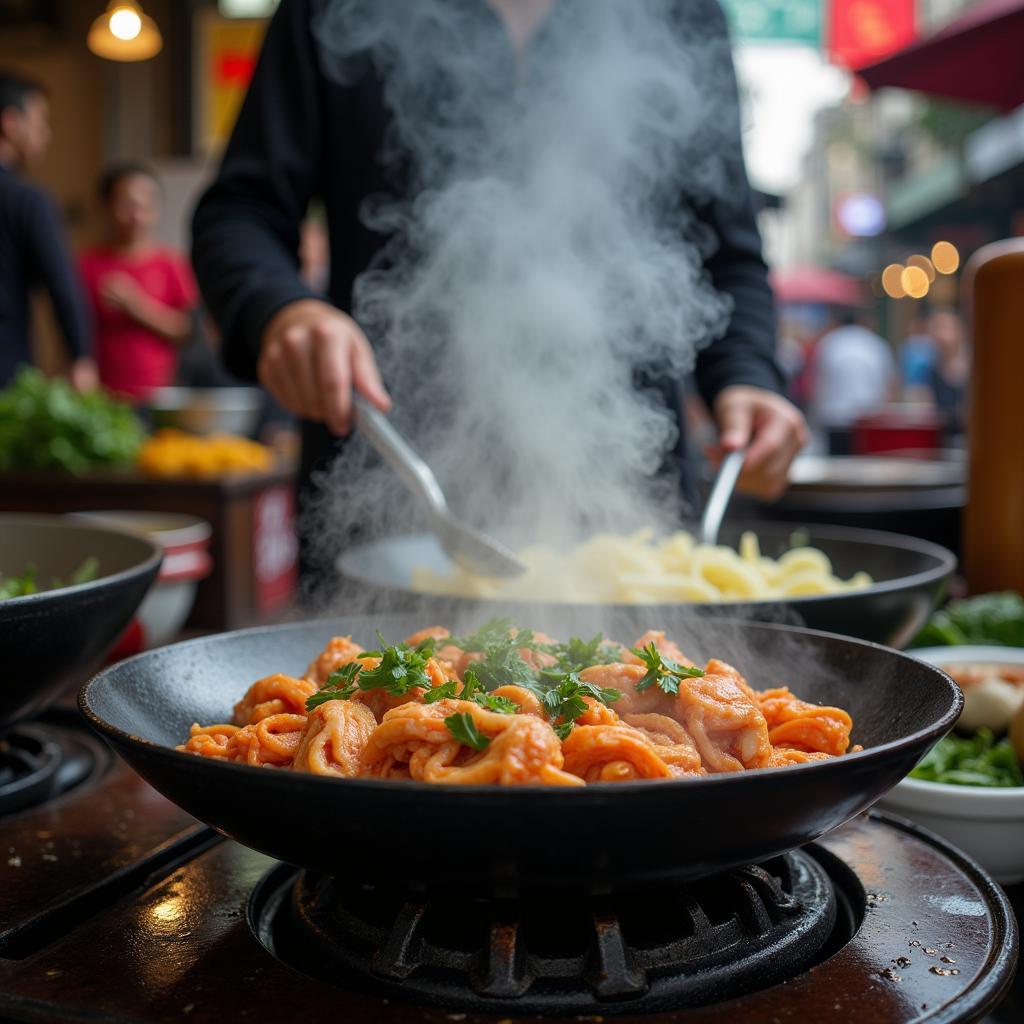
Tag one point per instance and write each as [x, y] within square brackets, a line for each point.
[28, 583]
[46, 424]
[986, 619]
[978, 760]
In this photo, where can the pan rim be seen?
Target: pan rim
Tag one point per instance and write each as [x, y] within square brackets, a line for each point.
[170, 755]
[945, 564]
[57, 521]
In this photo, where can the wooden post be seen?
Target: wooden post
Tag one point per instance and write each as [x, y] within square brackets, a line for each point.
[993, 539]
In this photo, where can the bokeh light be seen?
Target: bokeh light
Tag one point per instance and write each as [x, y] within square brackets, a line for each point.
[917, 260]
[891, 281]
[945, 257]
[915, 282]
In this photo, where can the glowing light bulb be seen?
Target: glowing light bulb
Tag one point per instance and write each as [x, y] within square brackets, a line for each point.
[125, 23]
[891, 283]
[945, 257]
[915, 282]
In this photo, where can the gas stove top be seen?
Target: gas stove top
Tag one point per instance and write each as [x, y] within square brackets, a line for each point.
[118, 908]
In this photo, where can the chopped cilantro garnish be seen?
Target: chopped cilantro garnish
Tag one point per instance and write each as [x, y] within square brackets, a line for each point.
[463, 728]
[667, 674]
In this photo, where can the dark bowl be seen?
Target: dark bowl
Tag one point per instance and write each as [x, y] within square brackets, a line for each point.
[495, 837]
[55, 639]
[909, 577]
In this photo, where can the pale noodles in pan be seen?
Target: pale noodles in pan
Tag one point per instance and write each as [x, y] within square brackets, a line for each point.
[512, 707]
[641, 569]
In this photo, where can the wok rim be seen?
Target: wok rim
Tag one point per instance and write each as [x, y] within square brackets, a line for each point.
[599, 790]
[65, 522]
[946, 563]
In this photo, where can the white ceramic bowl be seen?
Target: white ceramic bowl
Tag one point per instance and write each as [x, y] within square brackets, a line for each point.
[985, 822]
[185, 540]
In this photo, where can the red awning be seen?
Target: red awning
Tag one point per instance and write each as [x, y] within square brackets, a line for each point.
[978, 57]
[818, 285]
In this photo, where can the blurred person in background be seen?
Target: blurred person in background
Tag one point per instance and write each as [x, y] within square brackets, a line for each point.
[944, 386]
[854, 373]
[916, 358]
[141, 293]
[33, 252]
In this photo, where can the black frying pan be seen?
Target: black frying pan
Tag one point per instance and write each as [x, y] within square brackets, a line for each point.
[55, 638]
[492, 836]
[909, 576]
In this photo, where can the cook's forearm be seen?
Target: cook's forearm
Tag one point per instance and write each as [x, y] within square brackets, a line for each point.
[746, 353]
[247, 271]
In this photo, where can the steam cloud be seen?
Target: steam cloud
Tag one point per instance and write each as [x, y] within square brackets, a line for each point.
[546, 253]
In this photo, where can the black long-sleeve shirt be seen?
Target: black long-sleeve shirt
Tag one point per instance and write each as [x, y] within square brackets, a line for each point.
[302, 135]
[33, 253]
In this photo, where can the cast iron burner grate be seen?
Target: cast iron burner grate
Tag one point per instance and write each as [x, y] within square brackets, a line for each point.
[44, 759]
[636, 951]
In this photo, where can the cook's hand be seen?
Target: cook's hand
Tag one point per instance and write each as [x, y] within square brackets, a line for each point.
[84, 374]
[121, 291]
[770, 427]
[312, 356]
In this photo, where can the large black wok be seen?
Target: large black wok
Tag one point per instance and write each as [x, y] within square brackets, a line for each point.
[909, 576]
[497, 837]
[55, 638]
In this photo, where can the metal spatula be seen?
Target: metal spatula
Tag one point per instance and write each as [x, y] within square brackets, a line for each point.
[467, 547]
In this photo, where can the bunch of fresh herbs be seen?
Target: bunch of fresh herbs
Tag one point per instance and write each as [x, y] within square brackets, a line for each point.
[46, 425]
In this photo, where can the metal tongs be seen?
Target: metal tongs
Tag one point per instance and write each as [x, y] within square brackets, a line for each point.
[467, 547]
[721, 492]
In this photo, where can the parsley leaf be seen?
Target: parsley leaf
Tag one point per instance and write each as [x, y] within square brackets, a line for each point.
[340, 685]
[471, 690]
[578, 654]
[503, 666]
[565, 701]
[401, 669]
[666, 673]
[445, 691]
[498, 632]
[503, 705]
[494, 631]
[463, 728]
[470, 685]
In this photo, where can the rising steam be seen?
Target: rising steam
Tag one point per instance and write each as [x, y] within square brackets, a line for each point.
[548, 253]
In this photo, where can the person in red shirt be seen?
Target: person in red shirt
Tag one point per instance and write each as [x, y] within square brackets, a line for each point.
[141, 294]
